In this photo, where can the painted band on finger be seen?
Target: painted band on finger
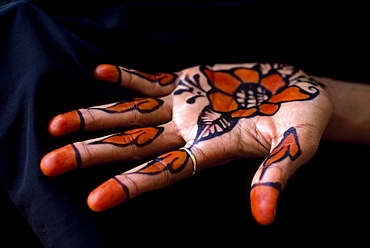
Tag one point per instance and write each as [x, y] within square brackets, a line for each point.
[75, 156]
[264, 194]
[156, 174]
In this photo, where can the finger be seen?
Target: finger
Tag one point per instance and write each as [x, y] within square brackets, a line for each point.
[135, 144]
[156, 174]
[137, 112]
[150, 84]
[275, 171]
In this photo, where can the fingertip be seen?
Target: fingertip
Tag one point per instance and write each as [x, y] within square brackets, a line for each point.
[106, 196]
[59, 161]
[264, 203]
[64, 123]
[106, 72]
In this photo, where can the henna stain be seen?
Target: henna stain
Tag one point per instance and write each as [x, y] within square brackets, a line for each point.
[243, 92]
[275, 185]
[288, 147]
[143, 105]
[124, 187]
[139, 137]
[162, 79]
[77, 156]
[82, 121]
[174, 162]
[119, 79]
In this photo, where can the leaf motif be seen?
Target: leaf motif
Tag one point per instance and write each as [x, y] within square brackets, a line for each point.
[174, 162]
[288, 147]
[143, 105]
[212, 124]
[138, 137]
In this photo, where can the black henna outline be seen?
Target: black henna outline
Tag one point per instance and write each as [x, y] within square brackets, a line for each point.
[77, 156]
[124, 187]
[275, 185]
[280, 147]
[134, 142]
[135, 107]
[175, 76]
[167, 166]
[226, 117]
[82, 121]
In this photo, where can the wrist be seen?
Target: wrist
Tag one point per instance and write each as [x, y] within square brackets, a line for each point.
[350, 121]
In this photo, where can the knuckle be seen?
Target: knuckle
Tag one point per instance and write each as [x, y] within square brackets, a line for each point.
[132, 183]
[87, 157]
[91, 115]
[135, 153]
[166, 179]
[166, 175]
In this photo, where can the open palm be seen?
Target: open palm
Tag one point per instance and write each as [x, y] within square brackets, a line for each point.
[218, 113]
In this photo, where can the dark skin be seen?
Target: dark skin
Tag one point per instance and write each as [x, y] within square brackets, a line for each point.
[219, 113]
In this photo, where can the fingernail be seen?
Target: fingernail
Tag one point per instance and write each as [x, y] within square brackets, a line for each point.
[60, 161]
[65, 123]
[109, 194]
[263, 203]
[108, 73]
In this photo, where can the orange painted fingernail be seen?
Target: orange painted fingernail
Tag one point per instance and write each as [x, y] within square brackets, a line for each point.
[109, 194]
[60, 161]
[66, 123]
[263, 203]
[108, 73]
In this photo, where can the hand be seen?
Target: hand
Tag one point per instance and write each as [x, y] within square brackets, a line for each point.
[219, 113]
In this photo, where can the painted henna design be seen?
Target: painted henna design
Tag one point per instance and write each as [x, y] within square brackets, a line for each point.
[264, 195]
[74, 121]
[143, 105]
[174, 162]
[109, 194]
[275, 185]
[244, 93]
[264, 202]
[288, 147]
[69, 157]
[77, 156]
[139, 137]
[192, 86]
[114, 192]
[125, 189]
[162, 79]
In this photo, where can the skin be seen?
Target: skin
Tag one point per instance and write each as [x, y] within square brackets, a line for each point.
[286, 129]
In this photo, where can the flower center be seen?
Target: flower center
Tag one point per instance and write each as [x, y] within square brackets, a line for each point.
[251, 95]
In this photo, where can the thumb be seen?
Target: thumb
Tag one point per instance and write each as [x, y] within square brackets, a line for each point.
[274, 172]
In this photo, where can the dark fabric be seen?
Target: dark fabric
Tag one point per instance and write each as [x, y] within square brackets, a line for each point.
[48, 52]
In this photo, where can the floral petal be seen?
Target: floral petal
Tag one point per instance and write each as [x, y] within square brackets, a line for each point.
[138, 137]
[174, 161]
[212, 124]
[244, 112]
[292, 93]
[161, 78]
[247, 75]
[223, 81]
[273, 82]
[268, 109]
[143, 105]
[222, 103]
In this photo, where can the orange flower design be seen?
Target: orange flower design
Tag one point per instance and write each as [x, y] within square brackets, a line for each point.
[244, 92]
